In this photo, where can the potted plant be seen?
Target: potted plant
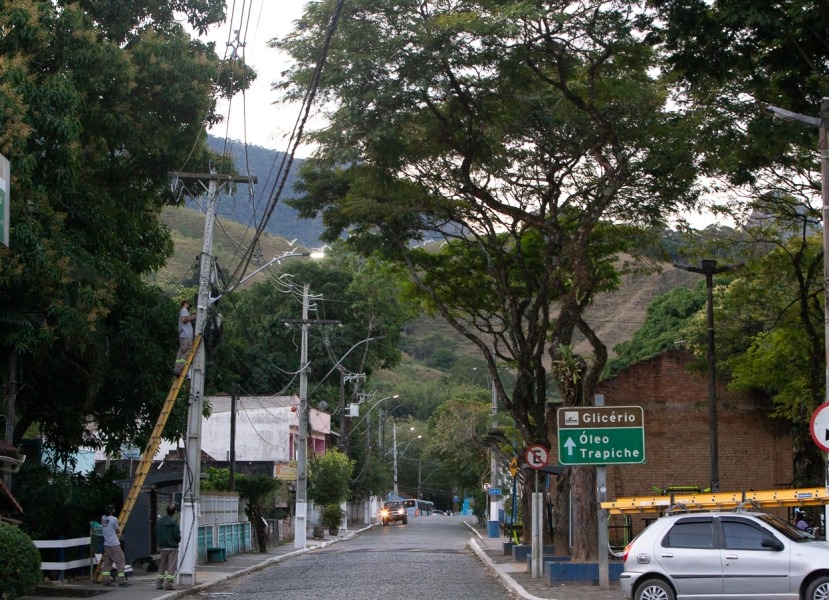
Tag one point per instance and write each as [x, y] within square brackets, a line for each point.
[332, 517]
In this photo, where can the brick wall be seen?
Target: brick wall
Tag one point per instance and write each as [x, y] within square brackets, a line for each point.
[755, 451]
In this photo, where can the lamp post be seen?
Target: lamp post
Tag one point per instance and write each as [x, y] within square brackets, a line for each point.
[709, 269]
[394, 442]
[822, 123]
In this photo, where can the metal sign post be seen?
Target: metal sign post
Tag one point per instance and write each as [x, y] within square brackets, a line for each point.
[536, 457]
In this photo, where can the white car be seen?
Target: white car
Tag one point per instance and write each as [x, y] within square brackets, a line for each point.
[725, 556]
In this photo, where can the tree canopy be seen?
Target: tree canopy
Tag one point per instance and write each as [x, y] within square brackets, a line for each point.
[100, 101]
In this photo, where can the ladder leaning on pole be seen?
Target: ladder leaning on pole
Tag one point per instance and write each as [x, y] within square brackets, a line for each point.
[152, 447]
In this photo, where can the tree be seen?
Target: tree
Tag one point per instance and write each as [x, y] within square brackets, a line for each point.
[770, 331]
[260, 353]
[457, 437]
[731, 59]
[100, 101]
[258, 492]
[533, 139]
[329, 475]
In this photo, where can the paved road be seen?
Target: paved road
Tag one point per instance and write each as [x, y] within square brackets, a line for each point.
[428, 559]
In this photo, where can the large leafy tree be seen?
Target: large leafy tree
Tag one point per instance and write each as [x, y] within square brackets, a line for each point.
[732, 57]
[99, 101]
[533, 138]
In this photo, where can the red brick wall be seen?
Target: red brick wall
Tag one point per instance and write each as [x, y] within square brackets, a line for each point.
[755, 452]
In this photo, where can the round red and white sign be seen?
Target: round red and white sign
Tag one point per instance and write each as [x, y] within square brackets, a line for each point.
[819, 426]
[536, 456]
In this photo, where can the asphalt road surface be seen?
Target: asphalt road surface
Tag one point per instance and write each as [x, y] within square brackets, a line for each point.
[427, 559]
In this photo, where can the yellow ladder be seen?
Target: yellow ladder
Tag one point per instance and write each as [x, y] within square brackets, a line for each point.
[152, 447]
[814, 496]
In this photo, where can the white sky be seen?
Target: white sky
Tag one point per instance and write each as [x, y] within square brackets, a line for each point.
[254, 118]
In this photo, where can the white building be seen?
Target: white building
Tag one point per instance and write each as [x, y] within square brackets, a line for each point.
[267, 429]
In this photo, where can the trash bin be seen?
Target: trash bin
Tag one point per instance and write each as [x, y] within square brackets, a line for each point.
[96, 537]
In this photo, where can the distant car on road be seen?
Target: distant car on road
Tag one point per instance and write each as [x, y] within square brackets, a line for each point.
[725, 555]
[393, 511]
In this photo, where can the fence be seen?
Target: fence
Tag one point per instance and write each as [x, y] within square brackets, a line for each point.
[87, 556]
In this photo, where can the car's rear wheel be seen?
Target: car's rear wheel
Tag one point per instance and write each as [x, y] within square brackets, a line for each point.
[818, 589]
[405, 521]
[654, 589]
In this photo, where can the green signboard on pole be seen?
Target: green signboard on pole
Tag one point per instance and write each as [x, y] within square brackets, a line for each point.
[5, 190]
[601, 435]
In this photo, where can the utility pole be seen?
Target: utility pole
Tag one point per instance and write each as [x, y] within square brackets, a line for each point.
[232, 458]
[301, 511]
[394, 441]
[709, 269]
[192, 468]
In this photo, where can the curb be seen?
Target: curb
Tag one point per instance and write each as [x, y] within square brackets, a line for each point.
[508, 582]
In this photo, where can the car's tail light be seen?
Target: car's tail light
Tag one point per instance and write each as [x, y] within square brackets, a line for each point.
[626, 552]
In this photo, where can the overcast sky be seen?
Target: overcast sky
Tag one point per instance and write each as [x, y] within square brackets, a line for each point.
[254, 118]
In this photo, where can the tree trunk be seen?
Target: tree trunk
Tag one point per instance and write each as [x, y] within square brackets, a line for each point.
[260, 528]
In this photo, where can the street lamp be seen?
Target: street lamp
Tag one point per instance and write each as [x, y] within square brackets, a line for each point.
[822, 123]
[394, 442]
[709, 269]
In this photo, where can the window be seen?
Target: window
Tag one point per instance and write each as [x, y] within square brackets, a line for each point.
[741, 535]
[691, 533]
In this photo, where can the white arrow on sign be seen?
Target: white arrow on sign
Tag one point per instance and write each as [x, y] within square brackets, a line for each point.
[569, 444]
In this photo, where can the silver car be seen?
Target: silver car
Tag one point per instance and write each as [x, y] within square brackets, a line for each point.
[725, 556]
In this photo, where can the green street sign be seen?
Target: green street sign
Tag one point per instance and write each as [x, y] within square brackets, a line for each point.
[601, 435]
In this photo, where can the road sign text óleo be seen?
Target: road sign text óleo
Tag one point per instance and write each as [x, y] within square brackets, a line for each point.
[601, 435]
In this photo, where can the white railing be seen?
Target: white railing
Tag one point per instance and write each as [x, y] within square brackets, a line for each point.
[65, 565]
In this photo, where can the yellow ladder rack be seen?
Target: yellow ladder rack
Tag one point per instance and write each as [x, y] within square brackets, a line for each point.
[814, 496]
[152, 447]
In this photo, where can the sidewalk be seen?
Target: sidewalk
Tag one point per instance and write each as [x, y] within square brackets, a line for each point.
[521, 584]
[513, 576]
[142, 583]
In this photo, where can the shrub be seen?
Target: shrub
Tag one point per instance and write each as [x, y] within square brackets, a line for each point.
[19, 563]
[332, 516]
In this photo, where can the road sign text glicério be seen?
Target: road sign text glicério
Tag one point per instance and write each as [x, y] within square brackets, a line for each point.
[601, 435]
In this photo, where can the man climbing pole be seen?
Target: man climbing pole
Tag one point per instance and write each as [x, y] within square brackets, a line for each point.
[185, 336]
